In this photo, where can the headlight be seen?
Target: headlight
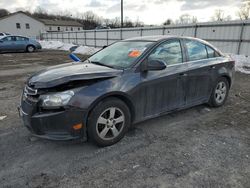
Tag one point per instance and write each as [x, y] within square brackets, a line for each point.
[57, 99]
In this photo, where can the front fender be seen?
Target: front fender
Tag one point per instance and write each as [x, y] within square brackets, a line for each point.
[120, 87]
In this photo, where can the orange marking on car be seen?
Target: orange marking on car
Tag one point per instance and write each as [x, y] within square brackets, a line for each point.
[134, 53]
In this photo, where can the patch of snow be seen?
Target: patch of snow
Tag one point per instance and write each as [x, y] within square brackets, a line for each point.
[86, 50]
[242, 63]
[67, 46]
[54, 45]
[57, 45]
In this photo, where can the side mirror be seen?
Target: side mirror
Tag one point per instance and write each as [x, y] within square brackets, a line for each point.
[153, 65]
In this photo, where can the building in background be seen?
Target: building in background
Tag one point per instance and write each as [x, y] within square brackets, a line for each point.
[61, 25]
[21, 23]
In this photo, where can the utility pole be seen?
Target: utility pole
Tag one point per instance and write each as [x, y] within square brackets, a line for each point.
[121, 13]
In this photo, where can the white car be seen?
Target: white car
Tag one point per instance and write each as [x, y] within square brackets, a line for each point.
[3, 35]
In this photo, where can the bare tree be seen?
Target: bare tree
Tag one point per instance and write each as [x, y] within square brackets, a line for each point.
[194, 19]
[168, 22]
[89, 16]
[115, 23]
[41, 13]
[244, 11]
[107, 22]
[219, 15]
[138, 23]
[127, 22]
[184, 19]
[4, 12]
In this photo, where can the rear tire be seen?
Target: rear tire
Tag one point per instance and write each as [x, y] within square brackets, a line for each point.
[108, 122]
[220, 93]
[30, 48]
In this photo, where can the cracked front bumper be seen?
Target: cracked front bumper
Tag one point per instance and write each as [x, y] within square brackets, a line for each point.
[56, 125]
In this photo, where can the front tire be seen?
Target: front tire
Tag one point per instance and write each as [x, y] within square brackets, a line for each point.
[108, 122]
[220, 93]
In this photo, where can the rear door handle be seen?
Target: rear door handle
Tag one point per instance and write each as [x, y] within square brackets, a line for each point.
[183, 74]
[212, 67]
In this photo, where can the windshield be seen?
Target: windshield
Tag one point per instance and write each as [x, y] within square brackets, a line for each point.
[121, 54]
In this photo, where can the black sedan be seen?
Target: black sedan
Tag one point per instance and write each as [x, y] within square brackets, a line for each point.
[125, 83]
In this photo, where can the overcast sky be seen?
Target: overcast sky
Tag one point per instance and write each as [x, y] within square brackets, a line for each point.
[148, 11]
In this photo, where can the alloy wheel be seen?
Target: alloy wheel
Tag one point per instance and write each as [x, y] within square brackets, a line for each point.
[220, 92]
[110, 123]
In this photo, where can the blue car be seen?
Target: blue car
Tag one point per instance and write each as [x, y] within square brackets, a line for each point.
[18, 43]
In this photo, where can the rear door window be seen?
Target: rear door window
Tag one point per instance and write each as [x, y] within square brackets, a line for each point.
[21, 38]
[195, 50]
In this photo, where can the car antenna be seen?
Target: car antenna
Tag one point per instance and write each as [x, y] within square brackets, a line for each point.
[74, 57]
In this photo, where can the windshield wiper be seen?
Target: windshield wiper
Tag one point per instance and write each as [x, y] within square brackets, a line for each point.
[102, 64]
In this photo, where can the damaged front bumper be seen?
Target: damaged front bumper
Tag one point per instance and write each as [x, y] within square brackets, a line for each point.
[53, 124]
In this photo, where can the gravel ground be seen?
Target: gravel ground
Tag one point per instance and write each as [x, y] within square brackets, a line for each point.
[198, 147]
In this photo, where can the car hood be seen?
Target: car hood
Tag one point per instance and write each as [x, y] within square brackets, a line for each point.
[65, 73]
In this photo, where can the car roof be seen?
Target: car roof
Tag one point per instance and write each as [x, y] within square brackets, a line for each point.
[156, 38]
[149, 38]
[16, 36]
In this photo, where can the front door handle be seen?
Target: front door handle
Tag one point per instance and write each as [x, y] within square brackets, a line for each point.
[183, 74]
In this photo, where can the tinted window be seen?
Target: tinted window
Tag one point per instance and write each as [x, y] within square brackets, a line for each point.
[169, 52]
[196, 50]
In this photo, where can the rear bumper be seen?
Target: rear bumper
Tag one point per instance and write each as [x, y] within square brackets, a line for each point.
[55, 125]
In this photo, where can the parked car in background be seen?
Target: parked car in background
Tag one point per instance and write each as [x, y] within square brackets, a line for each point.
[125, 83]
[102, 27]
[18, 43]
[3, 35]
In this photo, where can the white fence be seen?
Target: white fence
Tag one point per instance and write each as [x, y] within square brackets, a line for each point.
[230, 37]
